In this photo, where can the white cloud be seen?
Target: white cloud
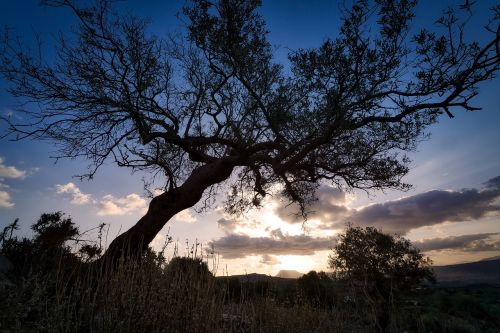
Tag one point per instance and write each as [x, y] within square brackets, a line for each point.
[110, 205]
[10, 171]
[5, 201]
[77, 197]
[185, 216]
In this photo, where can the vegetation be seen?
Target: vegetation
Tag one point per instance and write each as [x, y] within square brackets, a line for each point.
[214, 107]
[380, 268]
[64, 292]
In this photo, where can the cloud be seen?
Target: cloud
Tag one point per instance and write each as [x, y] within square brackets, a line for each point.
[185, 216]
[229, 225]
[77, 197]
[239, 246]
[267, 259]
[330, 206]
[10, 171]
[110, 205]
[5, 200]
[331, 212]
[431, 208]
[471, 243]
[400, 216]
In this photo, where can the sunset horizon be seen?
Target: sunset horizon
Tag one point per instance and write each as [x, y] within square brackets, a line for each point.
[451, 212]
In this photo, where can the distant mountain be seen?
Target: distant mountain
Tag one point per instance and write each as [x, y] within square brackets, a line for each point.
[485, 271]
[289, 274]
[252, 277]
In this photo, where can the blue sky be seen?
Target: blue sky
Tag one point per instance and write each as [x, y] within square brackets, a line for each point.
[463, 152]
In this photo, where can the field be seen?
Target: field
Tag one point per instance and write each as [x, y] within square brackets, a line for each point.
[183, 296]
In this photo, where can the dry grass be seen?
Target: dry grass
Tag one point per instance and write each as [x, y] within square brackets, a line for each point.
[148, 297]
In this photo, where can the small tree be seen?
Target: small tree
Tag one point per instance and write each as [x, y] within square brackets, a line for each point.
[379, 266]
[49, 247]
[217, 104]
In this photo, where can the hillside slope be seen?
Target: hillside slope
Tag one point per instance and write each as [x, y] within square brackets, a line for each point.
[487, 271]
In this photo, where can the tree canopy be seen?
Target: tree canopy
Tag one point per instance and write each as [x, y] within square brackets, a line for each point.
[380, 267]
[215, 105]
[390, 261]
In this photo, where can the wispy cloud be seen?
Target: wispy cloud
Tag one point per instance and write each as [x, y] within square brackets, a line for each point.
[10, 171]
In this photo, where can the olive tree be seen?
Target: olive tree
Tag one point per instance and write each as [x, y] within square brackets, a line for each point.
[365, 255]
[214, 107]
[380, 267]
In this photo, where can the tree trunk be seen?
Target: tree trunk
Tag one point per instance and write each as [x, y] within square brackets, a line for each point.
[162, 208]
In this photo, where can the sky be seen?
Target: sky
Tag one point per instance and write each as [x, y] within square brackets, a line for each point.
[452, 211]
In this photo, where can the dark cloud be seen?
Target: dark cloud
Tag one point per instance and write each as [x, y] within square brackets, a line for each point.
[229, 225]
[400, 216]
[330, 206]
[267, 259]
[239, 246]
[397, 216]
[430, 208]
[470, 243]
[493, 183]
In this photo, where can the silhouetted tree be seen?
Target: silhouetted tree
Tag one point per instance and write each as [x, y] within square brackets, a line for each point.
[202, 107]
[381, 267]
[317, 288]
[53, 230]
[47, 250]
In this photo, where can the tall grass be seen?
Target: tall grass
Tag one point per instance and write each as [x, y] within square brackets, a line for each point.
[146, 296]
[183, 296]
[54, 290]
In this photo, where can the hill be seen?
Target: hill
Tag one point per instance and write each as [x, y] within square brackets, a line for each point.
[289, 274]
[480, 272]
[486, 271]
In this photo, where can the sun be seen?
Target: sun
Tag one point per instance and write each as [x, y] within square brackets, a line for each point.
[302, 264]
